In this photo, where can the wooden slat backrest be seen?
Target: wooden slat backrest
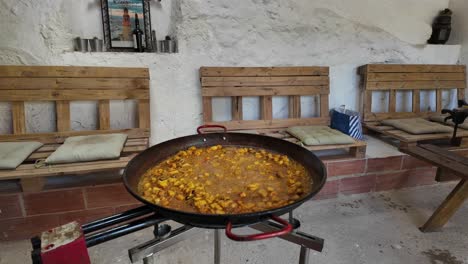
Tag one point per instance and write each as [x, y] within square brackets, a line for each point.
[265, 82]
[407, 77]
[63, 84]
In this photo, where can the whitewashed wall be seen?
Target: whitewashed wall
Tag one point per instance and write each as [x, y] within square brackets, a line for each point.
[341, 34]
[460, 27]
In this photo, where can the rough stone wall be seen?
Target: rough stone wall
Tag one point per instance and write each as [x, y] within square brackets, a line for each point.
[337, 33]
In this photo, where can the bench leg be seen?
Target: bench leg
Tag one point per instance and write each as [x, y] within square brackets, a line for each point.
[445, 211]
[358, 152]
[32, 184]
[445, 176]
[405, 145]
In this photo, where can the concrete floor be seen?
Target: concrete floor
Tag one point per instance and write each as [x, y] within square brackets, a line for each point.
[369, 228]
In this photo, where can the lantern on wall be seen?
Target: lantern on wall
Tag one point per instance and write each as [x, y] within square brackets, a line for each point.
[441, 27]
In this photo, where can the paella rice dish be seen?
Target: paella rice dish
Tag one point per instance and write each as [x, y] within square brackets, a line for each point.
[225, 180]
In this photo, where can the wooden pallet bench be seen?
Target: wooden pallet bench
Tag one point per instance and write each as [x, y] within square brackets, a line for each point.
[62, 85]
[266, 82]
[392, 78]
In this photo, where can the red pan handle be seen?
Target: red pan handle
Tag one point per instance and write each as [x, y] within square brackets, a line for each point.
[199, 129]
[287, 229]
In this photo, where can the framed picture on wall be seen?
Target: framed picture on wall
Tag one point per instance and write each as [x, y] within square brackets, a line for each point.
[118, 18]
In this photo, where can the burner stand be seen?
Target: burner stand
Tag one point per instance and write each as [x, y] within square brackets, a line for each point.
[145, 251]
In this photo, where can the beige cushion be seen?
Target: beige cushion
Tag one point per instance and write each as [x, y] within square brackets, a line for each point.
[13, 154]
[417, 126]
[440, 119]
[319, 135]
[88, 148]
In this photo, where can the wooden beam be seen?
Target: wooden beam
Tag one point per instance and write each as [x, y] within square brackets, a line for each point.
[324, 109]
[410, 85]
[19, 118]
[30, 185]
[460, 94]
[264, 90]
[438, 101]
[236, 107]
[266, 107]
[392, 101]
[23, 83]
[58, 137]
[446, 210]
[69, 95]
[416, 101]
[294, 106]
[144, 114]
[104, 115]
[424, 76]
[428, 68]
[73, 72]
[264, 81]
[275, 123]
[262, 71]
[62, 109]
[207, 109]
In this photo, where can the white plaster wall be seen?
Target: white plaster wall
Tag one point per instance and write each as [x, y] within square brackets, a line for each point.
[337, 33]
[460, 27]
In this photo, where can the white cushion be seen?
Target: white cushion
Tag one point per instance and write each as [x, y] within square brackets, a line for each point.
[13, 154]
[88, 148]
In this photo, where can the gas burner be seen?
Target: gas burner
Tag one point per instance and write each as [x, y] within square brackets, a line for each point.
[131, 221]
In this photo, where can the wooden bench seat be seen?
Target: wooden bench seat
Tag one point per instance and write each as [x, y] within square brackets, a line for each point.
[267, 82]
[393, 78]
[63, 84]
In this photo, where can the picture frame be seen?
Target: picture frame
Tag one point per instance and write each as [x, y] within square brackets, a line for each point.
[118, 19]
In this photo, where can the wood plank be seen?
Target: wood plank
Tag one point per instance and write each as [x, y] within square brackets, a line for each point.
[73, 71]
[266, 108]
[275, 123]
[294, 106]
[73, 83]
[441, 161]
[29, 171]
[236, 107]
[398, 68]
[460, 94]
[383, 77]
[421, 85]
[207, 109]
[397, 115]
[54, 95]
[29, 185]
[62, 109]
[104, 114]
[367, 102]
[448, 208]
[144, 116]
[406, 137]
[126, 150]
[262, 71]
[59, 137]
[265, 81]
[392, 101]
[416, 101]
[19, 118]
[324, 109]
[264, 90]
[438, 101]
[445, 153]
